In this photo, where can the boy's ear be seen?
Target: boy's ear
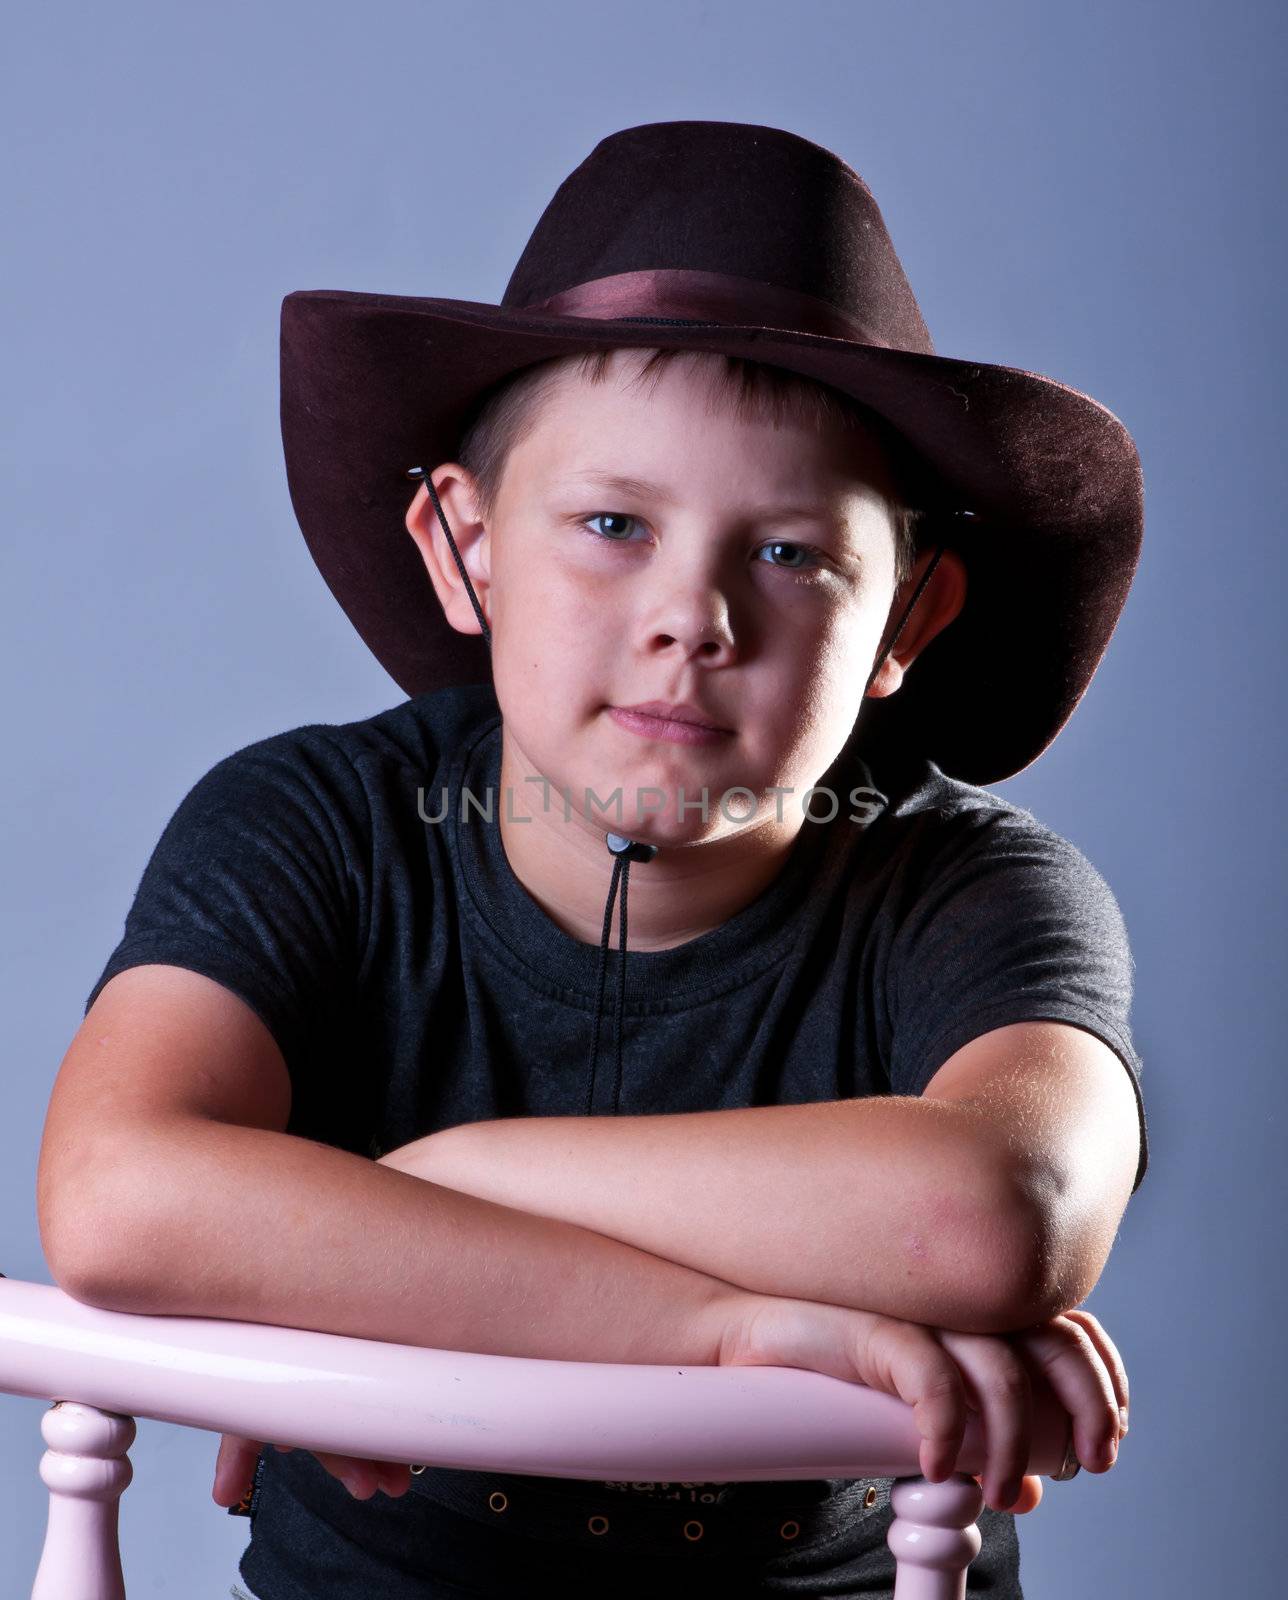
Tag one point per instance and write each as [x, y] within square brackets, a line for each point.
[456, 494]
[940, 601]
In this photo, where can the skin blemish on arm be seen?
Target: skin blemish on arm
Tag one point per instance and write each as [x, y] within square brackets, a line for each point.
[947, 1216]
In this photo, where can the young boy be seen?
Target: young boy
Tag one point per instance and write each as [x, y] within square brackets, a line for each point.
[724, 590]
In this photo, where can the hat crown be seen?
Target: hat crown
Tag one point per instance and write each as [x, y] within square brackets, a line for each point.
[738, 199]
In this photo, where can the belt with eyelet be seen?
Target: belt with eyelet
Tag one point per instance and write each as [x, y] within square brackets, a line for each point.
[753, 1519]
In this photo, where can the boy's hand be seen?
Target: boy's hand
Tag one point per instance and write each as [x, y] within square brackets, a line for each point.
[1078, 1361]
[943, 1374]
[235, 1467]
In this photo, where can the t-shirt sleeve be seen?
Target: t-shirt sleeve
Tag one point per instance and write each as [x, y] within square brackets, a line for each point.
[253, 883]
[1015, 925]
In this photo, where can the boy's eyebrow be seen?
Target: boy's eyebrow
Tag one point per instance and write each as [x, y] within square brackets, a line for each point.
[622, 483]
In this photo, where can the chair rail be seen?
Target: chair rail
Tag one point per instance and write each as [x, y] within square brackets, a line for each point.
[407, 1403]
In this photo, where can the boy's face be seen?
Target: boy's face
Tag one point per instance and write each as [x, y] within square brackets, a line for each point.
[748, 571]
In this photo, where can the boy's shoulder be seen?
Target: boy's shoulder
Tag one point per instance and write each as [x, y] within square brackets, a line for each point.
[945, 824]
[918, 796]
[335, 781]
[416, 734]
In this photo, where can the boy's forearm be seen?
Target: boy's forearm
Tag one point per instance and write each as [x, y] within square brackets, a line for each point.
[893, 1204]
[215, 1220]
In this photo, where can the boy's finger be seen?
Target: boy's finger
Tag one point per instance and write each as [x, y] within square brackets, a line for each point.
[926, 1377]
[234, 1467]
[1030, 1496]
[395, 1477]
[363, 1477]
[999, 1387]
[355, 1475]
[1109, 1355]
[360, 1476]
[1071, 1363]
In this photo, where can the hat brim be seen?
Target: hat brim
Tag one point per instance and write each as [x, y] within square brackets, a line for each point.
[372, 384]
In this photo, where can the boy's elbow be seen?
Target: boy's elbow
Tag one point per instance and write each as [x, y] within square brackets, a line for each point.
[1038, 1272]
[94, 1255]
[102, 1290]
[105, 1284]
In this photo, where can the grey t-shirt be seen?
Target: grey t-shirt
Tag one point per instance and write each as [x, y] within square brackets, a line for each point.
[412, 984]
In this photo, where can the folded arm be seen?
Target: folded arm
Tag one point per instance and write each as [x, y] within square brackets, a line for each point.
[985, 1204]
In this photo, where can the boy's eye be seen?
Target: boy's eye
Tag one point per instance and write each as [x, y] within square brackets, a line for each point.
[800, 549]
[611, 516]
[621, 536]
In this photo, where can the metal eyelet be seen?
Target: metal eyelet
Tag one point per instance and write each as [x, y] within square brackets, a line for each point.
[870, 1499]
[693, 1537]
[591, 1521]
[416, 1471]
[494, 1497]
[794, 1528]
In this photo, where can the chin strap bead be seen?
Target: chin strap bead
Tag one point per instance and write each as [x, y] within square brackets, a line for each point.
[629, 849]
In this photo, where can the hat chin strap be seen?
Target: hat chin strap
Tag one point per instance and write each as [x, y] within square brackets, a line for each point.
[622, 849]
[907, 612]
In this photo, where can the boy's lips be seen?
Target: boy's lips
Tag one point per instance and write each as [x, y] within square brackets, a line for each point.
[676, 724]
[676, 711]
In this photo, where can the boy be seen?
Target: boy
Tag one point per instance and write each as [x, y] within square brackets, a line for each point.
[894, 1007]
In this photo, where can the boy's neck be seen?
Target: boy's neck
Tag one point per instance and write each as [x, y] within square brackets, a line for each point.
[682, 893]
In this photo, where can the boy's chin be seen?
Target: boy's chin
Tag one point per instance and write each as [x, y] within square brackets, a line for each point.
[679, 833]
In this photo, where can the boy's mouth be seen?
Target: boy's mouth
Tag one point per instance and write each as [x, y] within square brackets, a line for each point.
[678, 723]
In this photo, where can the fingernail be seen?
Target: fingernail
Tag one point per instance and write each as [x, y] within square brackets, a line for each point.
[1111, 1451]
[1122, 1418]
[351, 1482]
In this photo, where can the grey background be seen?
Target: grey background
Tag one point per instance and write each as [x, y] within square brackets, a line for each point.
[1090, 192]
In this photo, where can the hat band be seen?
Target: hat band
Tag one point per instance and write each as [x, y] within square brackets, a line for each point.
[706, 297]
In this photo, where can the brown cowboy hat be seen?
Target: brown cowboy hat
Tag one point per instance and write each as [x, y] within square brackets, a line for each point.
[754, 241]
